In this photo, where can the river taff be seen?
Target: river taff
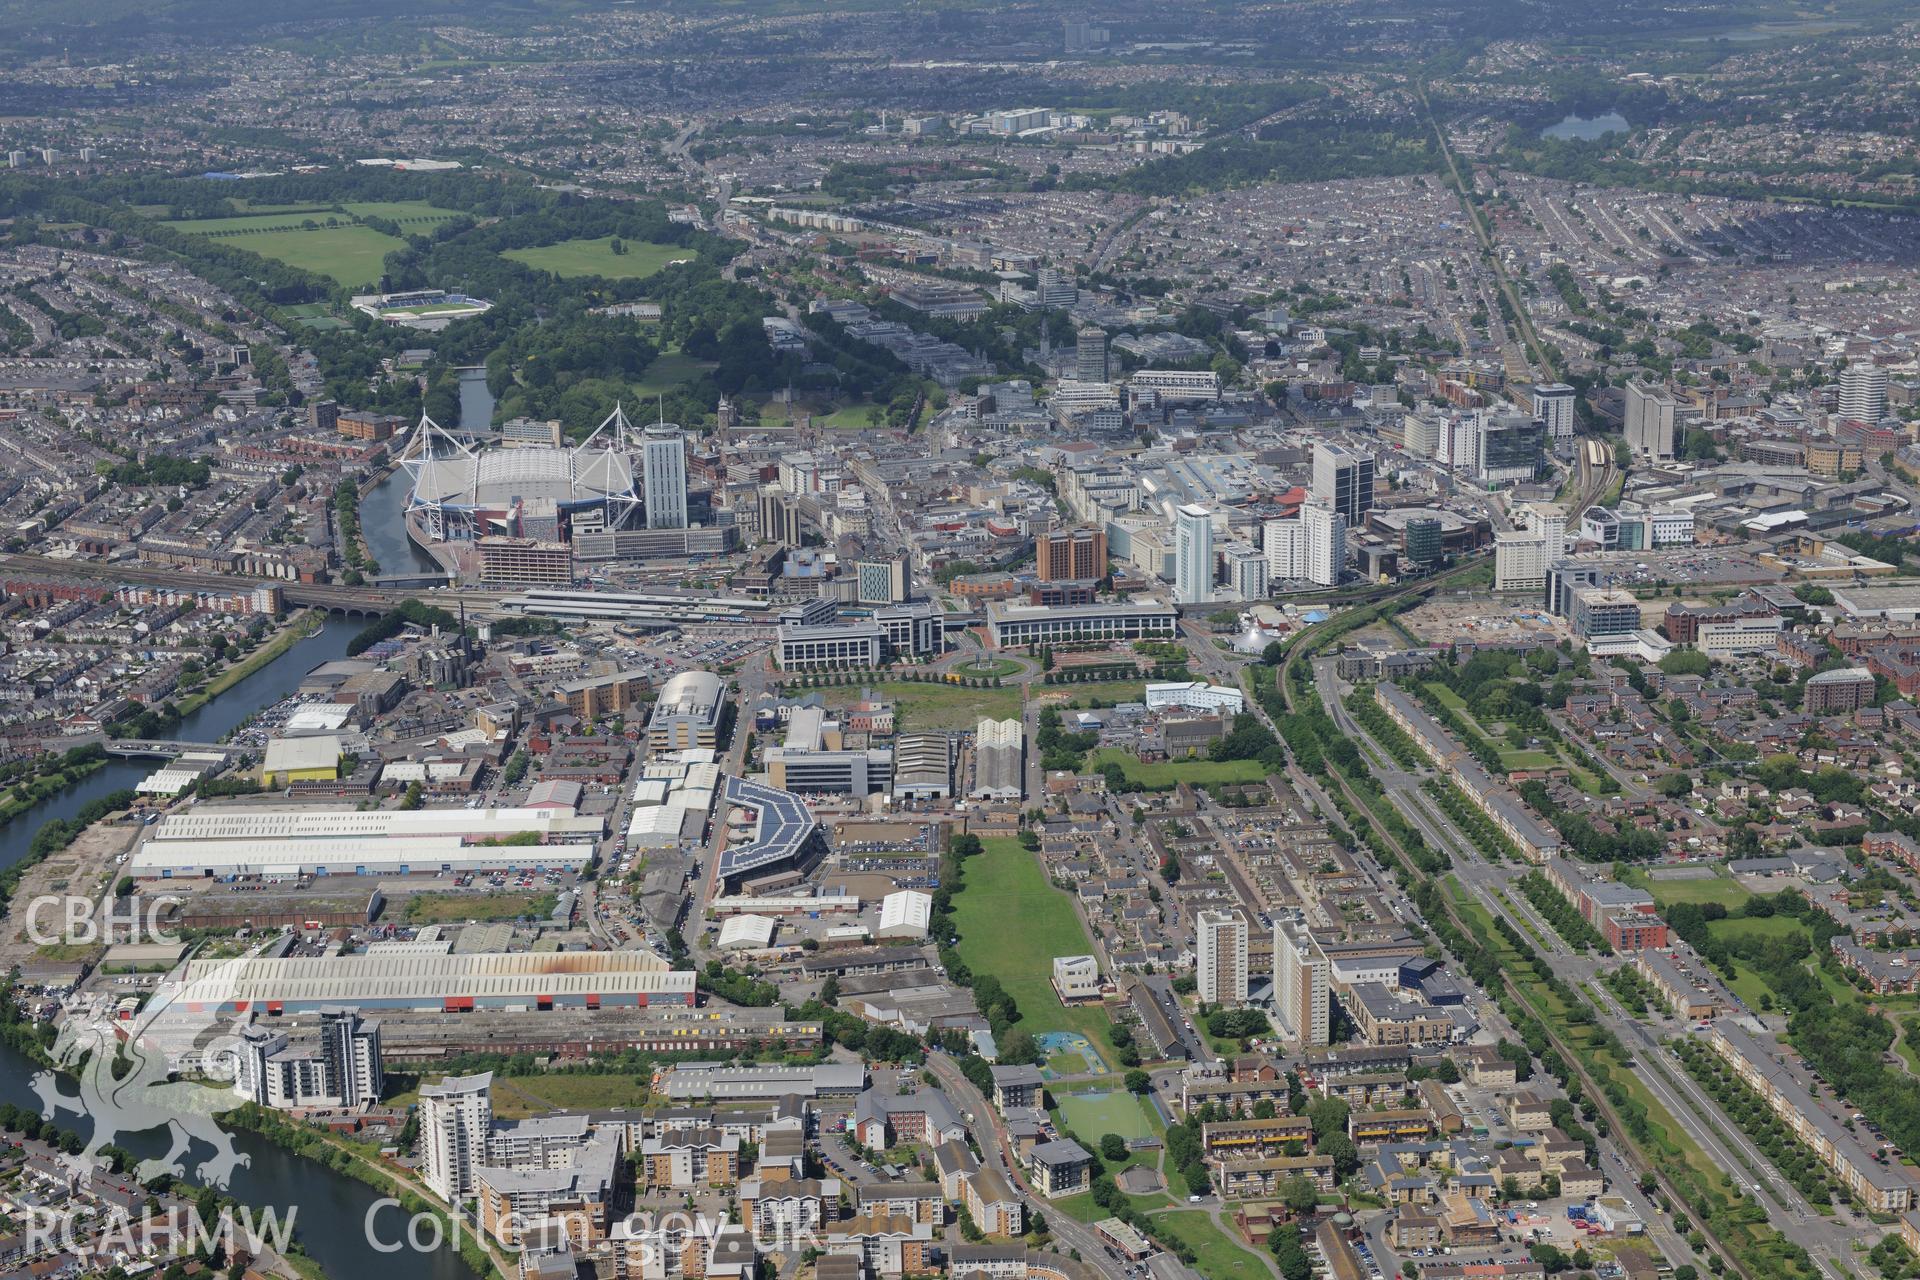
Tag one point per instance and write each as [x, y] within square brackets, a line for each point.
[330, 1208]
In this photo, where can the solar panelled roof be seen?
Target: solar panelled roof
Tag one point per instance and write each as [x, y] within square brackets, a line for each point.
[782, 825]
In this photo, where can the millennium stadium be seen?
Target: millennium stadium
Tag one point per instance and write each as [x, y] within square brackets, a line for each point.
[545, 491]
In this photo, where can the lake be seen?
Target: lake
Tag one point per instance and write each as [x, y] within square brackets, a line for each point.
[1587, 128]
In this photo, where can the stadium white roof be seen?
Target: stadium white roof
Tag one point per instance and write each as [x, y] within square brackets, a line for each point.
[497, 477]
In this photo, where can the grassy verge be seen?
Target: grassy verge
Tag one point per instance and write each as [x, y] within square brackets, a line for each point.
[1710, 1193]
[570, 259]
[289, 636]
[920, 706]
[44, 786]
[1723, 889]
[1215, 1256]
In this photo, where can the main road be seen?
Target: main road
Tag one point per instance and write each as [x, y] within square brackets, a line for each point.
[1625, 1176]
[1075, 1235]
[1521, 319]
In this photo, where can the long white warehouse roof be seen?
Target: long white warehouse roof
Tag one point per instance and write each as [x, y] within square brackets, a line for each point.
[350, 980]
[344, 857]
[211, 822]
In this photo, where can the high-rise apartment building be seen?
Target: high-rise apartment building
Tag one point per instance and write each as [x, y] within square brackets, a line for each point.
[342, 1069]
[1521, 561]
[1650, 421]
[1323, 539]
[1548, 519]
[1220, 957]
[1302, 986]
[456, 1115]
[1070, 555]
[1090, 354]
[1285, 548]
[1193, 554]
[1343, 480]
[1083, 37]
[1246, 571]
[1522, 557]
[1553, 405]
[1457, 441]
[1863, 392]
[350, 1046]
[664, 472]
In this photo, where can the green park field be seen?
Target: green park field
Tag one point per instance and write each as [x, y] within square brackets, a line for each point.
[1012, 924]
[349, 252]
[669, 369]
[1763, 927]
[936, 706]
[408, 213]
[1093, 1116]
[596, 257]
[1166, 773]
[352, 255]
[854, 417]
[1723, 889]
[257, 224]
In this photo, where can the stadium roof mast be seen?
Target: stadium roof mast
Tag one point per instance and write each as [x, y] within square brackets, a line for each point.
[621, 431]
[621, 508]
[420, 452]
